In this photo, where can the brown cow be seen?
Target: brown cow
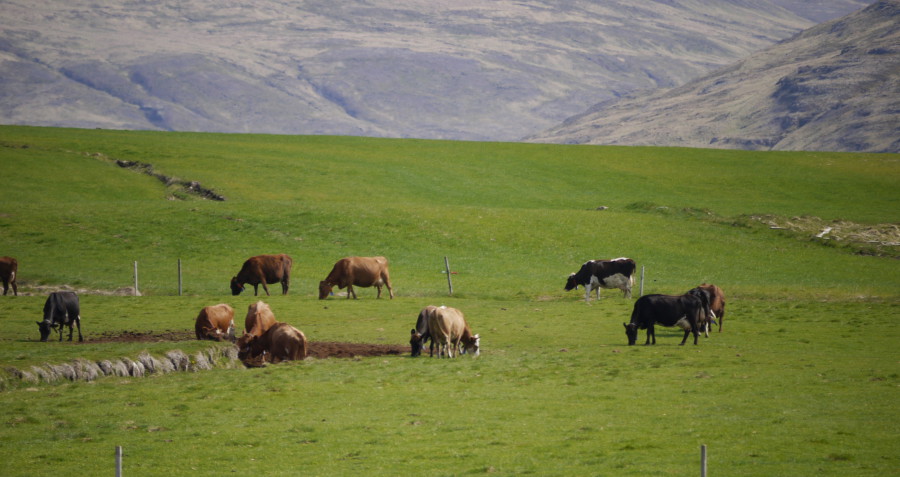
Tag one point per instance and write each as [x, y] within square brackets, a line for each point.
[263, 269]
[281, 342]
[259, 319]
[448, 329]
[215, 323]
[359, 271]
[8, 269]
[716, 302]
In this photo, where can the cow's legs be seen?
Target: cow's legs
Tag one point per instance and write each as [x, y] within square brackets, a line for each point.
[651, 333]
[77, 323]
[350, 291]
[265, 288]
[378, 287]
[587, 292]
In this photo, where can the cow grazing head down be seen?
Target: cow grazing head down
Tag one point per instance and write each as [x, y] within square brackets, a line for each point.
[236, 287]
[472, 345]
[416, 343]
[325, 289]
[631, 331]
[44, 329]
[571, 282]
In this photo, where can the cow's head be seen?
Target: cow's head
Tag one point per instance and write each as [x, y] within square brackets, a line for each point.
[571, 283]
[325, 289]
[236, 287]
[416, 342]
[631, 330]
[44, 328]
[245, 346]
[472, 346]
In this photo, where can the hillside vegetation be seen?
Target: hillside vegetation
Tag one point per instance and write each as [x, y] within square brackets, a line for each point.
[476, 70]
[801, 381]
[833, 87]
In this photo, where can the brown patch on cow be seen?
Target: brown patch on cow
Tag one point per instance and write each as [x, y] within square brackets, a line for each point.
[315, 349]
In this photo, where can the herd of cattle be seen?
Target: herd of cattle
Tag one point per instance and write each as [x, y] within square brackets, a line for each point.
[267, 340]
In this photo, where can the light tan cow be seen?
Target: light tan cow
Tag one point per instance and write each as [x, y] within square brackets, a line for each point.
[358, 271]
[448, 329]
[215, 322]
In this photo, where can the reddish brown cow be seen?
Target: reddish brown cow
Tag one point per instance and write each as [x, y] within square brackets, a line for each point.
[9, 267]
[215, 323]
[359, 271]
[716, 302]
[448, 329]
[263, 269]
[281, 342]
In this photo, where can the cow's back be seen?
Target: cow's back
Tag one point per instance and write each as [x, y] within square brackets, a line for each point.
[445, 323]
[286, 343]
[61, 307]
[368, 271]
[259, 319]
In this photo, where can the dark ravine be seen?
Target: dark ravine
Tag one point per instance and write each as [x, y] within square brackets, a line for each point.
[189, 187]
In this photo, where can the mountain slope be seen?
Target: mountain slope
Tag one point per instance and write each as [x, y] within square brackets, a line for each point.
[834, 87]
[474, 69]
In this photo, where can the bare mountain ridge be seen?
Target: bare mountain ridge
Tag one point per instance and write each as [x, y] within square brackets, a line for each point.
[471, 69]
[833, 87]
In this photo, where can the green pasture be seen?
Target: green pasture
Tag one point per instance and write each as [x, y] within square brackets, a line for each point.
[803, 379]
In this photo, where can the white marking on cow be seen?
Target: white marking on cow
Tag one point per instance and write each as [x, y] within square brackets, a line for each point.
[683, 323]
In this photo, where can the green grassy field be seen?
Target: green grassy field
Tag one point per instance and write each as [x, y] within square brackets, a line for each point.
[803, 379]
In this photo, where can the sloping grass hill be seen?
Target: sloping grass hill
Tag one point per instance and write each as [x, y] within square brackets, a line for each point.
[802, 380]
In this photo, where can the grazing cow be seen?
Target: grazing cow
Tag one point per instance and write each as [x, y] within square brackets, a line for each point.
[419, 335]
[8, 269]
[215, 323]
[597, 274]
[259, 319]
[684, 311]
[61, 309]
[358, 271]
[281, 342]
[263, 269]
[448, 329]
[716, 298]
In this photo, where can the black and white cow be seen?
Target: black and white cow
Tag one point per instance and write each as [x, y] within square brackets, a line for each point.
[597, 274]
[61, 309]
[684, 311]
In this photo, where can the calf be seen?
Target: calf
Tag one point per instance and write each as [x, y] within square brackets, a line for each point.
[281, 342]
[215, 323]
[683, 311]
[8, 269]
[61, 309]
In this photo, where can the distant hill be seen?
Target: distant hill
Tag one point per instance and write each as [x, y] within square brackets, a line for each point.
[834, 87]
[475, 69]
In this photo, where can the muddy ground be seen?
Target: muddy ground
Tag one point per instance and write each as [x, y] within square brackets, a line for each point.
[317, 349]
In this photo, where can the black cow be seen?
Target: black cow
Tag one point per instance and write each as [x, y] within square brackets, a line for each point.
[683, 311]
[61, 309]
[419, 335]
[616, 273]
[709, 318]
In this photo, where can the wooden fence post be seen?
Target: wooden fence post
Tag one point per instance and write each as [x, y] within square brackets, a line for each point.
[118, 461]
[642, 282]
[449, 281]
[136, 292]
[703, 460]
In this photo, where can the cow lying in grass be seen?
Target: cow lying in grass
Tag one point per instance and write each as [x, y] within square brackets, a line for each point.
[216, 323]
[281, 342]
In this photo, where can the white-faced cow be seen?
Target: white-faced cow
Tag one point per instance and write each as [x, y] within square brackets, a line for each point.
[683, 311]
[61, 309]
[716, 298]
[215, 323]
[597, 274]
[281, 342]
[357, 271]
[9, 267]
[419, 335]
[263, 270]
[448, 329]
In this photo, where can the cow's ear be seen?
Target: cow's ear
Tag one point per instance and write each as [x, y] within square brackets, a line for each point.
[626, 326]
[38, 323]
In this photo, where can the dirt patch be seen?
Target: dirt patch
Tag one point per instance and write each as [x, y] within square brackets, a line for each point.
[317, 349]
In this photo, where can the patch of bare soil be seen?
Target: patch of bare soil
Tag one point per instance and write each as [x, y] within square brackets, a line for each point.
[317, 349]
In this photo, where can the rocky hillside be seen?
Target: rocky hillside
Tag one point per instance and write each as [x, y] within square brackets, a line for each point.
[470, 69]
[833, 87]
